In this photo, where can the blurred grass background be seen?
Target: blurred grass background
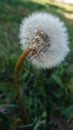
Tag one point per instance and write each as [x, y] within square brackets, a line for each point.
[34, 82]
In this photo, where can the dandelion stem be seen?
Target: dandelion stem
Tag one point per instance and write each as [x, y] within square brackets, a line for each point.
[18, 95]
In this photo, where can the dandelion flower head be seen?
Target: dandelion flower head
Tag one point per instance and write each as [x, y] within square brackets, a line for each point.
[50, 35]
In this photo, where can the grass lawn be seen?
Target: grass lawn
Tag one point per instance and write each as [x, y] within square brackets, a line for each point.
[61, 80]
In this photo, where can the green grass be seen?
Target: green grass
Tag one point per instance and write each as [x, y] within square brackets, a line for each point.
[32, 82]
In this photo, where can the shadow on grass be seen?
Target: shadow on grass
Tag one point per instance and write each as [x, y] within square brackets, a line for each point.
[12, 10]
[15, 10]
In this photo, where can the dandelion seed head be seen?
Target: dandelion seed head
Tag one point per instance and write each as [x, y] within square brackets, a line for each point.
[50, 35]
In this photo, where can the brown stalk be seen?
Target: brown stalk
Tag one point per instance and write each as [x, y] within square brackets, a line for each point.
[16, 71]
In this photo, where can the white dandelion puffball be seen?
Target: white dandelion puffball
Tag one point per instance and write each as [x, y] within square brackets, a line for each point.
[50, 35]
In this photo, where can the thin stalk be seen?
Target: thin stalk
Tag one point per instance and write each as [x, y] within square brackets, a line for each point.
[18, 95]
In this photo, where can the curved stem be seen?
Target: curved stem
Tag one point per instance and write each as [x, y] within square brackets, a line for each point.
[18, 95]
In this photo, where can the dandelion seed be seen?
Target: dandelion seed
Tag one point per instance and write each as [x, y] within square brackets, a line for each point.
[49, 34]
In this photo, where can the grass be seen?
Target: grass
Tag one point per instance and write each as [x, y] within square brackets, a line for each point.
[60, 83]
